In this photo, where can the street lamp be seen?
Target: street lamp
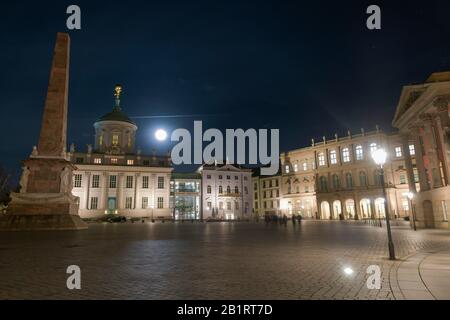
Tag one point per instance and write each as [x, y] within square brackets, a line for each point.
[379, 157]
[413, 214]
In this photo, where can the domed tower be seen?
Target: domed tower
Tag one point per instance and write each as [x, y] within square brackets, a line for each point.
[115, 132]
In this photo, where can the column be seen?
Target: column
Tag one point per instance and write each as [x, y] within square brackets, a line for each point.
[88, 189]
[443, 127]
[408, 163]
[105, 190]
[119, 190]
[431, 151]
[136, 177]
[423, 178]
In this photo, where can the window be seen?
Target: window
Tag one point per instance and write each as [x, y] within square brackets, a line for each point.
[78, 179]
[264, 184]
[228, 177]
[160, 182]
[228, 189]
[208, 205]
[129, 183]
[398, 152]
[113, 182]
[376, 177]
[220, 189]
[255, 186]
[245, 178]
[323, 184]
[114, 160]
[80, 160]
[95, 181]
[412, 150]
[305, 166]
[373, 147]
[416, 175]
[115, 139]
[208, 189]
[160, 203]
[333, 157]
[336, 182]
[94, 203]
[245, 190]
[444, 210]
[128, 202]
[286, 168]
[349, 180]
[130, 162]
[146, 162]
[256, 196]
[321, 159]
[346, 155]
[296, 167]
[144, 202]
[220, 177]
[276, 183]
[236, 177]
[359, 153]
[362, 179]
[145, 182]
[98, 161]
[236, 190]
[228, 205]
[402, 179]
[208, 176]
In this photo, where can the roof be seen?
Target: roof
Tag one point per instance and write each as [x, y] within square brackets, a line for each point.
[116, 115]
[187, 175]
[439, 77]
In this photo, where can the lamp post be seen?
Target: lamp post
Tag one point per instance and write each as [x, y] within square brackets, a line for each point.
[379, 157]
[413, 214]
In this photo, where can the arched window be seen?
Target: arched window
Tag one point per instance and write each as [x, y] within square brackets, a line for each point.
[228, 190]
[236, 189]
[349, 180]
[208, 189]
[359, 153]
[336, 182]
[220, 189]
[323, 184]
[362, 179]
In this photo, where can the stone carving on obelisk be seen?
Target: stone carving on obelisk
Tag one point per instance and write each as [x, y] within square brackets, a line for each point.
[46, 201]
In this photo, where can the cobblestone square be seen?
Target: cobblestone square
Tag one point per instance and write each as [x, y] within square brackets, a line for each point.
[209, 260]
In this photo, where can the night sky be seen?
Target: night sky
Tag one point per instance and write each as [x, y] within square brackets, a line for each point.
[309, 68]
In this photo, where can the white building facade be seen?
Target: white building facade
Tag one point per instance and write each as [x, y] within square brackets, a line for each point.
[112, 178]
[226, 192]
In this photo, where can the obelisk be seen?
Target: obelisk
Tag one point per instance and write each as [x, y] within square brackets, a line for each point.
[45, 201]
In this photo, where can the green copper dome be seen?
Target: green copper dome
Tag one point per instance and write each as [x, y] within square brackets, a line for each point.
[116, 115]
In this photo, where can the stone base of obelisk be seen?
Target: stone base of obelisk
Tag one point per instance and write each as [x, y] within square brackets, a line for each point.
[42, 211]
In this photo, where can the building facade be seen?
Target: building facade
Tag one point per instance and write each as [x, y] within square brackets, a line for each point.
[338, 179]
[112, 178]
[185, 195]
[266, 194]
[226, 192]
[422, 118]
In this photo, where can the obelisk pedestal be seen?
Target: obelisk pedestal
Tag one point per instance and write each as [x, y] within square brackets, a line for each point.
[45, 201]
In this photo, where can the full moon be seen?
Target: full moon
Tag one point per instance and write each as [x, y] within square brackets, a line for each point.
[161, 135]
